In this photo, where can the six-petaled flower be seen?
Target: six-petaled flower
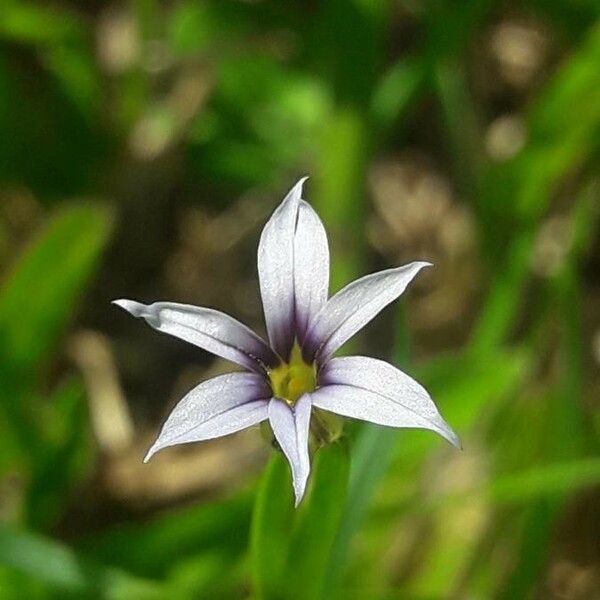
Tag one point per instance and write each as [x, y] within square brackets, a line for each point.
[294, 375]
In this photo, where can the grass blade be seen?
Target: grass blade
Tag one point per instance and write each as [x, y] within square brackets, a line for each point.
[317, 524]
[272, 522]
[60, 567]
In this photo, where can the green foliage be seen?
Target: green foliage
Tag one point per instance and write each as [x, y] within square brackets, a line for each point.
[57, 565]
[272, 521]
[152, 548]
[38, 297]
[37, 300]
[170, 111]
[291, 548]
[317, 523]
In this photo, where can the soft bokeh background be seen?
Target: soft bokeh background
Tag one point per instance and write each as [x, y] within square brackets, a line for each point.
[143, 144]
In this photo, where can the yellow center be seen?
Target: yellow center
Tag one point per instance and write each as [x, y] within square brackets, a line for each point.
[290, 380]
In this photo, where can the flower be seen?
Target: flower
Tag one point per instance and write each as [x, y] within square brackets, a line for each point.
[295, 375]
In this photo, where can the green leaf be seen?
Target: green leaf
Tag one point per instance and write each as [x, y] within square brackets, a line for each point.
[371, 456]
[38, 297]
[524, 486]
[36, 301]
[15, 584]
[545, 481]
[317, 523]
[66, 457]
[337, 190]
[464, 135]
[372, 453]
[60, 567]
[152, 548]
[467, 390]
[291, 548]
[533, 531]
[516, 195]
[201, 576]
[27, 23]
[272, 522]
[397, 90]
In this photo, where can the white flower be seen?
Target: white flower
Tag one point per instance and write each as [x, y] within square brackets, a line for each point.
[295, 372]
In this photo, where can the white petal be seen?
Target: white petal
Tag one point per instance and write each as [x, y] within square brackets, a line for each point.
[311, 266]
[291, 426]
[373, 390]
[215, 408]
[355, 305]
[276, 271]
[209, 329]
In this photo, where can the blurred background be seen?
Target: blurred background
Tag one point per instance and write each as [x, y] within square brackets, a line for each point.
[143, 146]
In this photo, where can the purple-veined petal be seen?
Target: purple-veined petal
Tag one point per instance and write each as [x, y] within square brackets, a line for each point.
[374, 390]
[217, 407]
[209, 329]
[311, 266]
[276, 271]
[291, 426]
[354, 306]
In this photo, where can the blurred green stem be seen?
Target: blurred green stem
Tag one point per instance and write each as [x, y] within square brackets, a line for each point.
[290, 547]
[339, 190]
[372, 453]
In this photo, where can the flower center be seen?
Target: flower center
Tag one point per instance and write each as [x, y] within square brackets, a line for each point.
[290, 380]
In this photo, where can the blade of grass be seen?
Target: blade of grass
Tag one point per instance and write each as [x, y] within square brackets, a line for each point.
[468, 391]
[396, 93]
[36, 301]
[28, 23]
[371, 456]
[272, 522]
[150, 549]
[37, 298]
[547, 480]
[464, 133]
[565, 415]
[60, 567]
[524, 486]
[66, 458]
[339, 191]
[516, 194]
[317, 523]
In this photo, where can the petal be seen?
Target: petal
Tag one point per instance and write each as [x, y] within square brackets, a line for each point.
[354, 306]
[311, 267]
[216, 407]
[374, 390]
[290, 426]
[276, 271]
[209, 329]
